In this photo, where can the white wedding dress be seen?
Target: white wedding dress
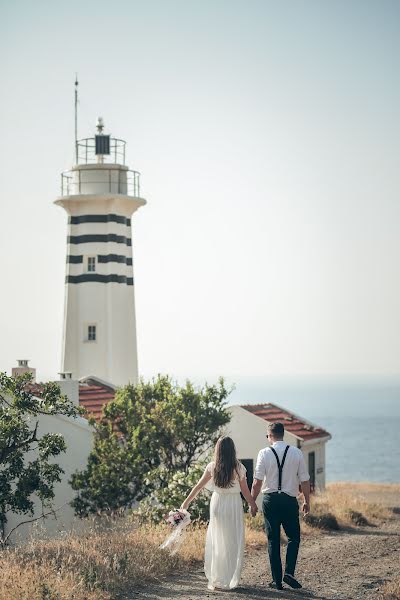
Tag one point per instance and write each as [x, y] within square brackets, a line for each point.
[225, 534]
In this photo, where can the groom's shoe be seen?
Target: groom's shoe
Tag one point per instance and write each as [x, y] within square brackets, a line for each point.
[290, 580]
[276, 586]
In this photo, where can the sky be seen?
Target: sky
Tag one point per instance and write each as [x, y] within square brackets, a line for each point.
[267, 135]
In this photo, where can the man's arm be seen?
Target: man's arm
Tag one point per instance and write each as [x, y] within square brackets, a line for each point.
[305, 488]
[304, 479]
[256, 488]
[258, 476]
[250, 500]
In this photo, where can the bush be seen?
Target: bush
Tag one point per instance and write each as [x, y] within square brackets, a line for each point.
[28, 471]
[391, 590]
[325, 521]
[169, 491]
[357, 518]
[149, 428]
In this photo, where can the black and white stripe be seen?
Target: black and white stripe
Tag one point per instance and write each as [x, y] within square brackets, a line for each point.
[80, 227]
[101, 258]
[78, 219]
[89, 238]
[98, 278]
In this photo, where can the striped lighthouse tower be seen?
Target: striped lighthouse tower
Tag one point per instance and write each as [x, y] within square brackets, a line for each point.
[100, 194]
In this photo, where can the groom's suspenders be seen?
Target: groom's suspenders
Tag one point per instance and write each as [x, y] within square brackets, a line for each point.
[280, 466]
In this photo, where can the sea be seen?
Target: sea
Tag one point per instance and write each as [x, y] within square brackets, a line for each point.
[361, 413]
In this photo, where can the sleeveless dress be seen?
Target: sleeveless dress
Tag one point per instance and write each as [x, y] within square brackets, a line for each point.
[225, 534]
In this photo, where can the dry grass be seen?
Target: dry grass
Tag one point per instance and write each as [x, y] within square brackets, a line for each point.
[102, 565]
[192, 550]
[349, 504]
[95, 566]
[255, 535]
[391, 590]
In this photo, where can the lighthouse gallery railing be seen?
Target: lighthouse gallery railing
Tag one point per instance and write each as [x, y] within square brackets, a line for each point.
[71, 186]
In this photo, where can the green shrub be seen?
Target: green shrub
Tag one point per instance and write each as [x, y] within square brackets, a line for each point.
[147, 429]
[169, 491]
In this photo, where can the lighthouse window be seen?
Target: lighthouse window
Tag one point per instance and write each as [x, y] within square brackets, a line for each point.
[91, 333]
[91, 264]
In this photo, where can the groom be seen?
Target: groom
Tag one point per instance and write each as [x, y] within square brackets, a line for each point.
[279, 470]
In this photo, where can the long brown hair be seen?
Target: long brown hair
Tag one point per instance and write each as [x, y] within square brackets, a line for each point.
[225, 462]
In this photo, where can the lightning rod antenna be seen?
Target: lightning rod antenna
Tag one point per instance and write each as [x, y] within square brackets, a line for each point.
[76, 117]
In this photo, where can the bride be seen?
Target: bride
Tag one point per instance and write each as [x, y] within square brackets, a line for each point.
[225, 476]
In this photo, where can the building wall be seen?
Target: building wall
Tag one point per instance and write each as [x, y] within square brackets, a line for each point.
[78, 437]
[321, 468]
[249, 433]
[319, 449]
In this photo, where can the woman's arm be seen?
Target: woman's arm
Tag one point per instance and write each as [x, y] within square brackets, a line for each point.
[244, 488]
[199, 486]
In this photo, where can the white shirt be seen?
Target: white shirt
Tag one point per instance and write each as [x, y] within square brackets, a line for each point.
[293, 473]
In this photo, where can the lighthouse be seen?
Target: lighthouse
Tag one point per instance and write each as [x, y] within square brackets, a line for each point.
[99, 194]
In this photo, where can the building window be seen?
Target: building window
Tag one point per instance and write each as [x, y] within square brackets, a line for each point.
[91, 334]
[91, 264]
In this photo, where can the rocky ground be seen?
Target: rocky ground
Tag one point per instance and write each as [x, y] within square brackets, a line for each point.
[350, 564]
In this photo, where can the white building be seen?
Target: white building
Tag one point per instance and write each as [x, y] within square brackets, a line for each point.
[78, 436]
[248, 428]
[99, 194]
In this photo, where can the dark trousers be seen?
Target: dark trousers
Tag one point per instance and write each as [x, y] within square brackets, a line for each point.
[281, 509]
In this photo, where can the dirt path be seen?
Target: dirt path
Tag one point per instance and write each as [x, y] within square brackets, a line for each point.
[347, 565]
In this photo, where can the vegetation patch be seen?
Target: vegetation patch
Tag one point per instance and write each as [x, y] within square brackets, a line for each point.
[148, 447]
[348, 506]
[120, 554]
[357, 518]
[326, 521]
[90, 567]
[391, 590]
[27, 467]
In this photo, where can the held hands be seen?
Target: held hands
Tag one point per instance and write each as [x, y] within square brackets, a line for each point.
[305, 508]
[253, 509]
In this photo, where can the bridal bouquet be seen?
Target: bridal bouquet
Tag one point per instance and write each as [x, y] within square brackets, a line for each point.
[178, 519]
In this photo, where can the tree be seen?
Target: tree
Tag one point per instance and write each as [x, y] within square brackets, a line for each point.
[153, 426]
[21, 474]
[112, 477]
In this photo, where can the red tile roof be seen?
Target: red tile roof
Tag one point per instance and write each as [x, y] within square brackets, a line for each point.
[35, 389]
[93, 396]
[292, 423]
